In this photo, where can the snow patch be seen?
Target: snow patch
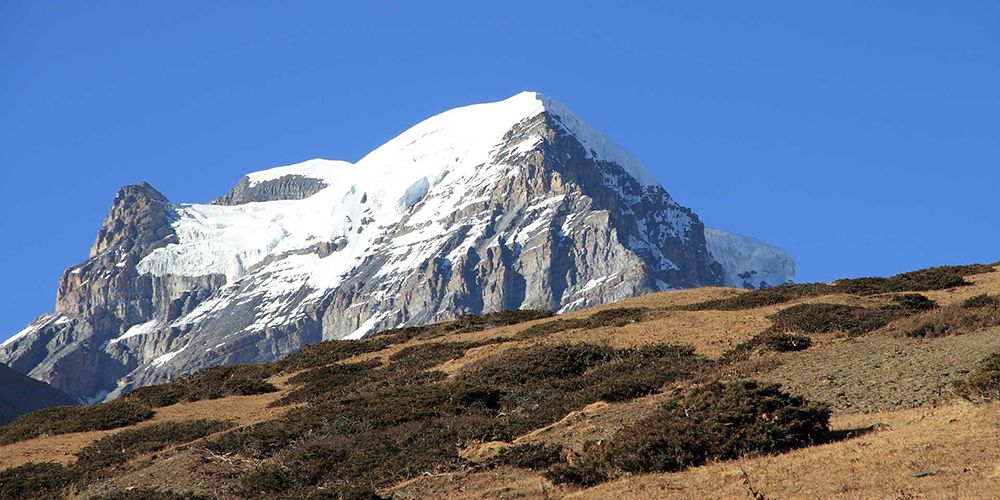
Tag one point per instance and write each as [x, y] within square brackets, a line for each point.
[748, 262]
[367, 326]
[160, 360]
[138, 330]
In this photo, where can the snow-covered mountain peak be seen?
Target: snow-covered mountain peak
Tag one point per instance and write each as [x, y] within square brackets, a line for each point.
[506, 205]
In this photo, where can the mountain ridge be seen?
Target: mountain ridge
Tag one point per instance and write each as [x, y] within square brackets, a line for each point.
[507, 205]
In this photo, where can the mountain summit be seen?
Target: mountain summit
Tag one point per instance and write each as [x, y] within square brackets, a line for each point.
[507, 205]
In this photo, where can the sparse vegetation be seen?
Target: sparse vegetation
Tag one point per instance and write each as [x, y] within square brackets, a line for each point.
[762, 298]
[536, 456]
[767, 342]
[463, 324]
[210, 383]
[851, 320]
[984, 382]
[35, 480]
[935, 278]
[981, 300]
[372, 424]
[151, 494]
[66, 419]
[974, 314]
[714, 421]
[118, 448]
[359, 426]
[615, 317]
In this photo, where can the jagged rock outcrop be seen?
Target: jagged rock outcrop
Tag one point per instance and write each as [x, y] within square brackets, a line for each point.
[514, 204]
[286, 187]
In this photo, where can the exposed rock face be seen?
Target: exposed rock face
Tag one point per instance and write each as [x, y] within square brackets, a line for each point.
[287, 187]
[516, 204]
[20, 394]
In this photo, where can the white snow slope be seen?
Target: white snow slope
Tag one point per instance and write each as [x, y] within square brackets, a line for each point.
[442, 154]
[749, 263]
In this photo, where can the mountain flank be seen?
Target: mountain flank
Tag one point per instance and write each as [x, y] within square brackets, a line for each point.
[20, 394]
[888, 387]
[516, 204]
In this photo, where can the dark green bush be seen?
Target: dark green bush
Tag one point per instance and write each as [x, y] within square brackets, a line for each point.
[151, 494]
[768, 341]
[912, 303]
[326, 381]
[716, 421]
[981, 300]
[935, 278]
[67, 419]
[269, 479]
[763, 298]
[118, 448]
[615, 317]
[535, 456]
[953, 319]
[331, 351]
[423, 356]
[852, 320]
[377, 423]
[35, 480]
[822, 318]
[209, 383]
[541, 362]
[463, 324]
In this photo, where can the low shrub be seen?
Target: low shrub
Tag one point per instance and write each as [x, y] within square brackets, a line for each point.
[540, 362]
[67, 419]
[330, 351]
[209, 383]
[36, 480]
[851, 320]
[984, 382]
[762, 298]
[151, 494]
[981, 300]
[614, 317]
[118, 448]
[376, 423]
[423, 356]
[912, 303]
[716, 421]
[824, 318]
[463, 324]
[935, 278]
[766, 342]
[535, 456]
[953, 319]
[326, 381]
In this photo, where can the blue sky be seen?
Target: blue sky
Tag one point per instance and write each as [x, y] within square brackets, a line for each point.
[862, 137]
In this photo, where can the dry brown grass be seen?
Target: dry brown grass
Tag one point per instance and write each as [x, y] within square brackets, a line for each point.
[961, 441]
[958, 444]
[952, 319]
[958, 438]
[243, 410]
[981, 283]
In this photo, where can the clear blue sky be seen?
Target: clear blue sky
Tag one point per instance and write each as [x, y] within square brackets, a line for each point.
[863, 137]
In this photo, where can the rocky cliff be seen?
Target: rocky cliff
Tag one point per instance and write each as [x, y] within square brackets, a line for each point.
[514, 204]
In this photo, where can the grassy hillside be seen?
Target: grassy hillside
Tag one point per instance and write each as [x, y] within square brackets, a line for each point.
[874, 387]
